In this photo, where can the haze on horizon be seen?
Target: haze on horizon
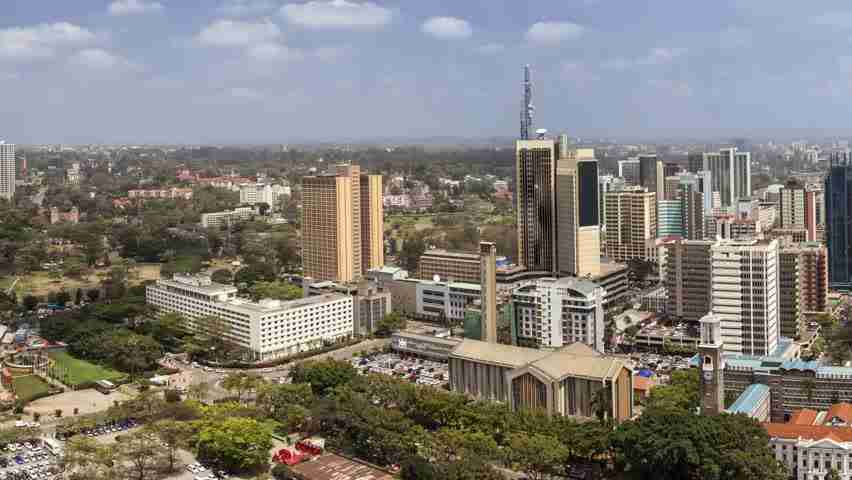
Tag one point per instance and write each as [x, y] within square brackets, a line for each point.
[270, 71]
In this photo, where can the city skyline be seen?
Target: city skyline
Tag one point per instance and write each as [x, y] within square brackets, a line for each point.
[258, 71]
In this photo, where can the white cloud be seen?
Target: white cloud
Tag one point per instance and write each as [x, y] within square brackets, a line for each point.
[330, 54]
[656, 56]
[244, 8]
[553, 33]
[235, 33]
[133, 7]
[273, 52]
[490, 49]
[341, 14]
[242, 93]
[447, 27]
[836, 19]
[41, 40]
[100, 59]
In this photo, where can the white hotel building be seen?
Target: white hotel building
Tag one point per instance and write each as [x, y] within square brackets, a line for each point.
[270, 329]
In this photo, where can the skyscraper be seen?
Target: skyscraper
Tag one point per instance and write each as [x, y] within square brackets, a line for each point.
[527, 106]
[745, 295]
[648, 171]
[695, 162]
[803, 283]
[687, 278]
[578, 219]
[535, 174]
[629, 171]
[7, 170]
[838, 220]
[665, 170]
[607, 183]
[631, 220]
[333, 223]
[797, 208]
[372, 223]
[730, 173]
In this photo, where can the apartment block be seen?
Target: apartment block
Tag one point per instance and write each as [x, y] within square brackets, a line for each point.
[228, 217]
[341, 231]
[631, 220]
[687, 278]
[7, 170]
[554, 312]
[269, 329]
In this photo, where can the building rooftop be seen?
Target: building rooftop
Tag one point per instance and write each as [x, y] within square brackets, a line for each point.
[268, 305]
[808, 432]
[750, 399]
[452, 253]
[575, 360]
[199, 283]
[448, 341]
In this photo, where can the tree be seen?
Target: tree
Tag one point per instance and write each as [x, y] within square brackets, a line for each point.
[253, 273]
[536, 455]
[241, 383]
[63, 297]
[275, 290]
[93, 295]
[324, 375]
[412, 249]
[222, 275]
[236, 443]
[392, 322]
[78, 297]
[832, 474]
[682, 444]
[141, 456]
[282, 472]
[84, 458]
[175, 435]
[30, 302]
[680, 394]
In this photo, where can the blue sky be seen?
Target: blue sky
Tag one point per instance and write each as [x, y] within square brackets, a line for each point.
[192, 71]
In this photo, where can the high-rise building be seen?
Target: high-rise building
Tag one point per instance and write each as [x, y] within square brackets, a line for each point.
[692, 206]
[731, 174]
[695, 162]
[838, 220]
[578, 220]
[797, 208]
[552, 312]
[631, 221]
[803, 283]
[687, 278]
[7, 170]
[607, 183]
[666, 170]
[333, 223]
[745, 295]
[488, 292]
[629, 171]
[372, 223]
[669, 219]
[535, 164]
[648, 172]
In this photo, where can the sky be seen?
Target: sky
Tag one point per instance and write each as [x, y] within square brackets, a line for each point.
[275, 71]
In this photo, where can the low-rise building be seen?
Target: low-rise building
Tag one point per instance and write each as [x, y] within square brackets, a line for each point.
[370, 302]
[161, 193]
[217, 219]
[449, 265]
[269, 329]
[254, 193]
[569, 381]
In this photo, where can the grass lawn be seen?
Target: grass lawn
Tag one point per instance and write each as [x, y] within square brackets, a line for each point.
[81, 371]
[29, 386]
[40, 283]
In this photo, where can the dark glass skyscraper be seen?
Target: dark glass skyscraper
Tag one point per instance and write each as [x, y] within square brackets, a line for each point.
[838, 209]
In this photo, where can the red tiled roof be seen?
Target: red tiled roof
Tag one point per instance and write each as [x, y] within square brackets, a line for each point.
[642, 383]
[808, 432]
[843, 411]
[803, 417]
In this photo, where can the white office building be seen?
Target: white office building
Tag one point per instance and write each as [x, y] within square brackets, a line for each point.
[730, 173]
[253, 193]
[217, 219]
[744, 287]
[445, 300]
[270, 329]
[552, 312]
[7, 170]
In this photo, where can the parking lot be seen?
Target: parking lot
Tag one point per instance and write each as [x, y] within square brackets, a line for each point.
[415, 370]
[28, 461]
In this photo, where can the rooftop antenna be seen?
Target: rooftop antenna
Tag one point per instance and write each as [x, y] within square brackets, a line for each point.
[527, 108]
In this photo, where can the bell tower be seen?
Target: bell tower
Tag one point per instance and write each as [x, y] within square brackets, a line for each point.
[712, 366]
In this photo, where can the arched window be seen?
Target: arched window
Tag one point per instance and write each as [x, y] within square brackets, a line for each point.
[708, 360]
